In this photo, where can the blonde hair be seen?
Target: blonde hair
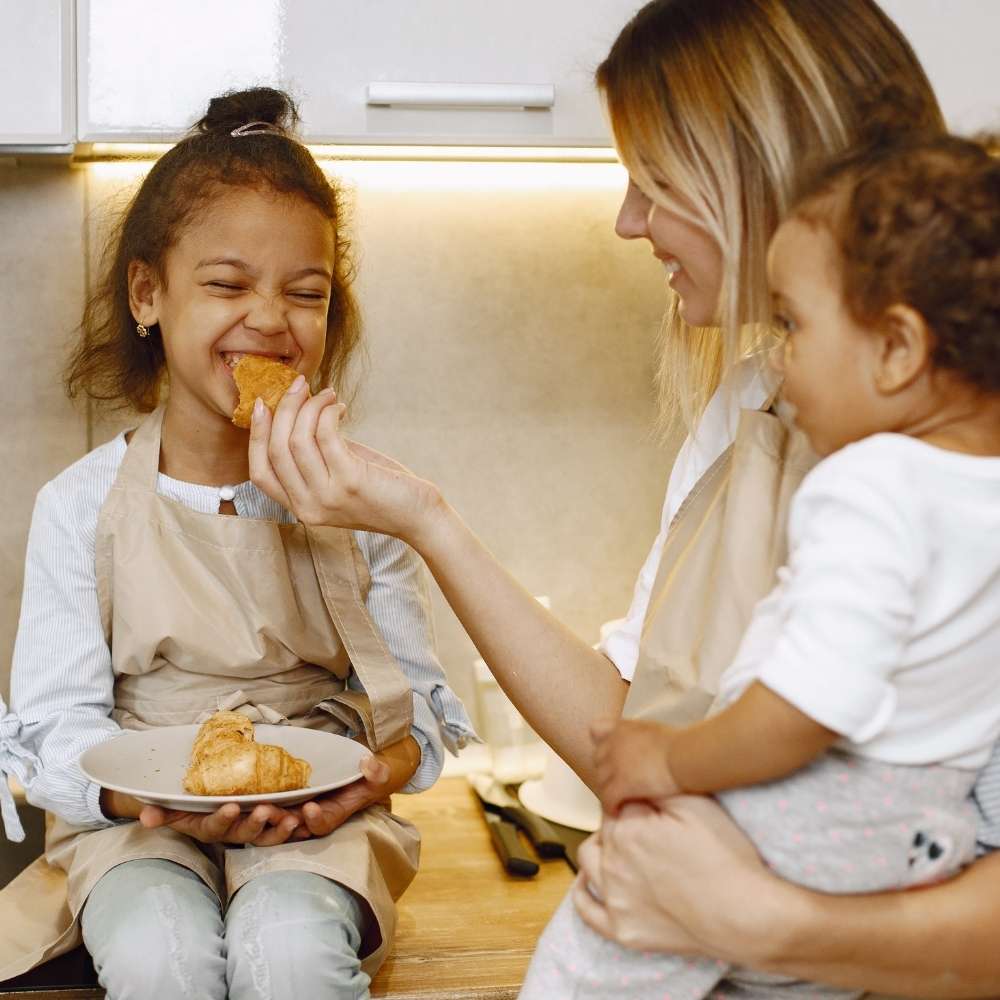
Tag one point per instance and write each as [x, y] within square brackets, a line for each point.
[723, 100]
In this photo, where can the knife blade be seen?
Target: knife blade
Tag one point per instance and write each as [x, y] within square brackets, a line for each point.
[496, 799]
[572, 839]
[508, 846]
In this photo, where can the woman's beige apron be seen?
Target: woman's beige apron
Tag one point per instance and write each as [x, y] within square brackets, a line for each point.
[721, 556]
[207, 611]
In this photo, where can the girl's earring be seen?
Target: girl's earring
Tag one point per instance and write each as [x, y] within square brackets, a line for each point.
[141, 330]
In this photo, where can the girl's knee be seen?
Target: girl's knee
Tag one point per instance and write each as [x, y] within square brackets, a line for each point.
[294, 934]
[155, 929]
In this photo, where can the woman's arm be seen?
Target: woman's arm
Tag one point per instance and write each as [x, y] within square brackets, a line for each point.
[398, 602]
[557, 681]
[939, 941]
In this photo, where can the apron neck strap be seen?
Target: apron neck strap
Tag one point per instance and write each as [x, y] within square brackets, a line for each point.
[141, 464]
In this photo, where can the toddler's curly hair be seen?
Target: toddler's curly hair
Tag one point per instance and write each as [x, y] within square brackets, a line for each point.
[917, 222]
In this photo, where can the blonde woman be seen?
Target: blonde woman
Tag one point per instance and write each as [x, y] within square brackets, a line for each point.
[714, 105]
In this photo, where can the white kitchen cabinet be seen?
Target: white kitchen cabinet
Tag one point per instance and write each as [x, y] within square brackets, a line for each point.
[36, 73]
[146, 70]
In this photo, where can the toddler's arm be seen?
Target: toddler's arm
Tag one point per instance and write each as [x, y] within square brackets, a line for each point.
[758, 738]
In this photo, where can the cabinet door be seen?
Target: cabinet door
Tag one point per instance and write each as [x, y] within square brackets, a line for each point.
[328, 52]
[36, 71]
[147, 70]
[554, 44]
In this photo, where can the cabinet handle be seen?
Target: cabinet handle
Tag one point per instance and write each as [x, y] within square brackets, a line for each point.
[462, 95]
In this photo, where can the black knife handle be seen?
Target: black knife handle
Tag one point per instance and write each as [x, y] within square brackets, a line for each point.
[508, 846]
[543, 838]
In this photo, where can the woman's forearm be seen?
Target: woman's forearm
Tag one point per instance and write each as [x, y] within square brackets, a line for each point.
[558, 682]
[935, 942]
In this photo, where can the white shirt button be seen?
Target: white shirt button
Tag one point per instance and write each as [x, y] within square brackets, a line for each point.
[227, 493]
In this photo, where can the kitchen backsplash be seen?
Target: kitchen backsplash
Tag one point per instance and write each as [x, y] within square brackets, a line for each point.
[511, 340]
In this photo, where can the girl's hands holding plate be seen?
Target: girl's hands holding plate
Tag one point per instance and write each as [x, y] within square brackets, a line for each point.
[264, 826]
[381, 774]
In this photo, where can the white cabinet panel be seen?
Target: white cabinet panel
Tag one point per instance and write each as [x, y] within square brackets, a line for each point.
[553, 42]
[147, 70]
[36, 72]
[958, 42]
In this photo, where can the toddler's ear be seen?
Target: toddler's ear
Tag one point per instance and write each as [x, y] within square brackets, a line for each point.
[142, 289]
[905, 345]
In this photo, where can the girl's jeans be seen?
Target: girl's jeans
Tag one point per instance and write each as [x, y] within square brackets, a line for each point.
[154, 929]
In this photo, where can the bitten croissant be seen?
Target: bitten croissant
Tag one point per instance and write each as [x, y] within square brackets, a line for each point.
[225, 760]
[264, 377]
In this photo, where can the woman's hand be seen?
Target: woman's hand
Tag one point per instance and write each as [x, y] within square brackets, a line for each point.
[676, 877]
[300, 459]
[632, 760]
[264, 826]
[383, 773]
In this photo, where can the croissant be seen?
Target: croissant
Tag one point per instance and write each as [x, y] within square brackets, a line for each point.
[226, 760]
[256, 376]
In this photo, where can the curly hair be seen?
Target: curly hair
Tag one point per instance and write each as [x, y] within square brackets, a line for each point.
[917, 222]
[110, 364]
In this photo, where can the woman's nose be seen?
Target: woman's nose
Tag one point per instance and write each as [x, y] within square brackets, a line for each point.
[633, 216]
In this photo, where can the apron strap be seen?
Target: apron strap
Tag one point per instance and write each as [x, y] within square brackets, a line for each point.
[141, 464]
[390, 697]
[138, 470]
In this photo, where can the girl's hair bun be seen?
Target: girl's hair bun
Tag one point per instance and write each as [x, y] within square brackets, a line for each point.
[240, 107]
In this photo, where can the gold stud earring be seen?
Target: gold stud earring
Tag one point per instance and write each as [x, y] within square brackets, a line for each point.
[141, 330]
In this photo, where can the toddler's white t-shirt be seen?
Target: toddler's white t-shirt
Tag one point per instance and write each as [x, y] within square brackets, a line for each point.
[885, 623]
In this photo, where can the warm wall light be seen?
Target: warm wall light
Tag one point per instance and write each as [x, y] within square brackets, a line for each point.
[494, 154]
[100, 151]
[416, 175]
[416, 168]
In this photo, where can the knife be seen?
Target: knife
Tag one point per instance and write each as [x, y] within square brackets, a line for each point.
[508, 846]
[496, 799]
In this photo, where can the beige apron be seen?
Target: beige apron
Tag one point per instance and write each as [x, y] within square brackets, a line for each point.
[721, 556]
[206, 611]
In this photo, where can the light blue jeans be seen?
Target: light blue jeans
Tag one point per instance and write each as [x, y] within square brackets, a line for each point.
[154, 929]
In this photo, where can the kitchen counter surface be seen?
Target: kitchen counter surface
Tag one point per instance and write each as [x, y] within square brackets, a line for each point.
[466, 929]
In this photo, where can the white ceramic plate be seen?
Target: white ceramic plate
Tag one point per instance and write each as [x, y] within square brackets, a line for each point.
[577, 815]
[150, 765]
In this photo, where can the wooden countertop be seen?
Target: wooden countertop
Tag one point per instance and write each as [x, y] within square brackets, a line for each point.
[466, 929]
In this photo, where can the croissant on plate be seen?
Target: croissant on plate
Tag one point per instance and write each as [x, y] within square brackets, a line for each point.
[226, 760]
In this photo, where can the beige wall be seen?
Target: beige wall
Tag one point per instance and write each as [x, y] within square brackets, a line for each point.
[511, 340]
[41, 291]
